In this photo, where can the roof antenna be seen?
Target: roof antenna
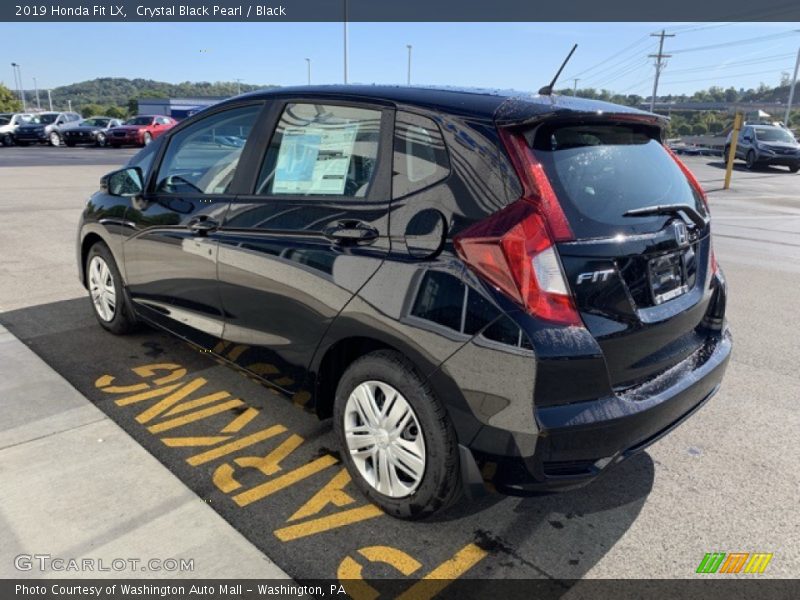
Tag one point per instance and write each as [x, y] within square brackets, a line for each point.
[548, 89]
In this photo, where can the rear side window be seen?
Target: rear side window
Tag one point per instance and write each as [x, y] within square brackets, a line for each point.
[322, 150]
[599, 172]
[420, 156]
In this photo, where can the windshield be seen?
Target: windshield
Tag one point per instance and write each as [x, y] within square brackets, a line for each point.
[599, 172]
[139, 121]
[773, 134]
[96, 122]
[45, 119]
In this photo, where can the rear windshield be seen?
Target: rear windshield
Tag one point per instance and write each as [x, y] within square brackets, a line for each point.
[599, 172]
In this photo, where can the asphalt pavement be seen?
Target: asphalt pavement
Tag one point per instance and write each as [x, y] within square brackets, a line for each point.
[724, 481]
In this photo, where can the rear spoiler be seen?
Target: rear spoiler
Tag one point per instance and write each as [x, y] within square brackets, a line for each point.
[530, 110]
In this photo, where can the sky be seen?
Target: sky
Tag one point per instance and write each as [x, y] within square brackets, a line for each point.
[522, 56]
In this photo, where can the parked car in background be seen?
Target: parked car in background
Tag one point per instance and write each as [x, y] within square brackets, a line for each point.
[472, 285]
[45, 128]
[9, 122]
[139, 131]
[92, 131]
[766, 145]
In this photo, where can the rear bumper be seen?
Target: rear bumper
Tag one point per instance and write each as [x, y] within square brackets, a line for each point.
[579, 441]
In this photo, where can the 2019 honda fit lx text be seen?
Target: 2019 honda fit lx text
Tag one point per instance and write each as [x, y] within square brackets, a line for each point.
[474, 286]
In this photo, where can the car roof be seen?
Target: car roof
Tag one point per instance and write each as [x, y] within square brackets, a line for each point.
[506, 107]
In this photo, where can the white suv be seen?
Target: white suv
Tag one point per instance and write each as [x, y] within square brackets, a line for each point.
[8, 125]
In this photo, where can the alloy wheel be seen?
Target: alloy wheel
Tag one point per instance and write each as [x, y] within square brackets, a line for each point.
[102, 289]
[384, 439]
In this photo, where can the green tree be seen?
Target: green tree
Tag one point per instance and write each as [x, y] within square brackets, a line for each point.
[684, 129]
[699, 129]
[115, 112]
[91, 110]
[8, 101]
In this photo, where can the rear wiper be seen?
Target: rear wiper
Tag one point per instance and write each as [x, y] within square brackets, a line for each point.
[687, 212]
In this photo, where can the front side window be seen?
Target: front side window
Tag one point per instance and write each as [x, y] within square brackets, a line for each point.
[202, 159]
[321, 150]
[420, 157]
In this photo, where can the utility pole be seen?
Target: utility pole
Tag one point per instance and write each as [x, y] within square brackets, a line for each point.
[660, 64]
[36, 90]
[50, 100]
[791, 89]
[308, 64]
[408, 78]
[238, 86]
[345, 42]
[69, 103]
[575, 86]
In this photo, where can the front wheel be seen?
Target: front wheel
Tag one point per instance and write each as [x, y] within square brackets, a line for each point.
[396, 438]
[8, 139]
[100, 140]
[106, 291]
[146, 139]
[751, 160]
[55, 139]
[794, 168]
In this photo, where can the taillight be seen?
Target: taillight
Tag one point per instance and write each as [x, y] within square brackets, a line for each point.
[514, 248]
[690, 176]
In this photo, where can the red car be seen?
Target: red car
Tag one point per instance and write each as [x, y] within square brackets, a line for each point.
[139, 131]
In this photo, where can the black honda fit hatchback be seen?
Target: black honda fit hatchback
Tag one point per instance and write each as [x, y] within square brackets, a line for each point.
[476, 287]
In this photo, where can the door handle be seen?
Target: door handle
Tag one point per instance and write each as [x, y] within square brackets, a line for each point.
[202, 225]
[351, 232]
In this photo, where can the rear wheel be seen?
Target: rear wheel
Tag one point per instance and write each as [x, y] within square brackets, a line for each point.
[726, 154]
[397, 441]
[106, 291]
[751, 160]
[8, 139]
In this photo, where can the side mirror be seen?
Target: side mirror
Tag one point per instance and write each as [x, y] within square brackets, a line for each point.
[127, 183]
[747, 138]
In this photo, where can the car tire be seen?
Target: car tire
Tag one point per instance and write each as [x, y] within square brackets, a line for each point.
[146, 138]
[726, 154]
[107, 291]
[100, 140]
[54, 139]
[8, 139]
[751, 160]
[794, 168]
[406, 460]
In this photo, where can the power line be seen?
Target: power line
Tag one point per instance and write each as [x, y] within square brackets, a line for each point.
[718, 66]
[610, 58]
[754, 40]
[732, 76]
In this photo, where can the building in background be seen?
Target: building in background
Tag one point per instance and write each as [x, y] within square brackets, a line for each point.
[177, 108]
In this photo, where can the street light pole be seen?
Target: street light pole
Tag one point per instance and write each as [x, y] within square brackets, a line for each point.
[36, 91]
[575, 86]
[18, 81]
[238, 86]
[345, 41]
[50, 100]
[791, 89]
[408, 78]
[308, 65]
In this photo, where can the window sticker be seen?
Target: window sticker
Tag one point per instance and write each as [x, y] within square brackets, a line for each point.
[314, 160]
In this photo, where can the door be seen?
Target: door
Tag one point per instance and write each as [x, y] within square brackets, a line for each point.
[170, 258]
[311, 231]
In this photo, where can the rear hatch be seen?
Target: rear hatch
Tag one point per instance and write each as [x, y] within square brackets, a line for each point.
[638, 265]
